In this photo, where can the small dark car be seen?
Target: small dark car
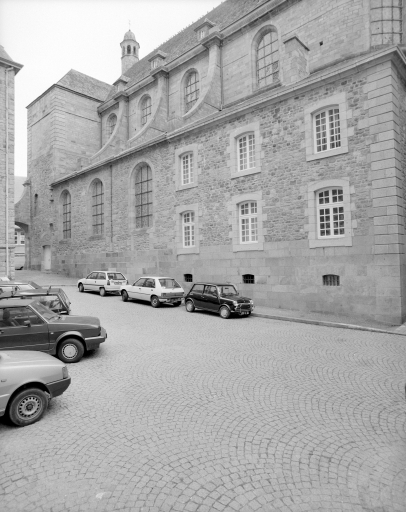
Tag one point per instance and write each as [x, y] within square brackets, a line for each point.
[29, 325]
[53, 298]
[220, 298]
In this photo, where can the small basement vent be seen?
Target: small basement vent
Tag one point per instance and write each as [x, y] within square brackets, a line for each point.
[188, 278]
[331, 280]
[248, 279]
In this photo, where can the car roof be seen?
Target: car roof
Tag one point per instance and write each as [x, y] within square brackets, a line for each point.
[5, 303]
[112, 271]
[156, 277]
[214, 284]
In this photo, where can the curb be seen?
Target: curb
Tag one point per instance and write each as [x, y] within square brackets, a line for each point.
[326, 324]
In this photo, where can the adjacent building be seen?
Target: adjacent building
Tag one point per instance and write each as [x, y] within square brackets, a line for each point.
[8, 70]
[263, 145]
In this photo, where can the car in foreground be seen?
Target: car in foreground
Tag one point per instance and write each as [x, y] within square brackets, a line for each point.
[223, 299]
[155, 290]
[103, 282]
[28, 380]
[53, 298]
[29, 325]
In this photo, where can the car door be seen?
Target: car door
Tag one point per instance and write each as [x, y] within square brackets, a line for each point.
[101, 281]
[89, 282]
[134, 290]
[196, 294]
[21, 328]
[148, 289]
[210, 298]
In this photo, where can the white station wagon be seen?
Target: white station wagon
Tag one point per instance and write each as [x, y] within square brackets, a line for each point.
[103, 282]
[155, 290]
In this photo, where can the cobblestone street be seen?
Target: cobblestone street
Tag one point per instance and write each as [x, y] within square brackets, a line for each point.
[189, 412]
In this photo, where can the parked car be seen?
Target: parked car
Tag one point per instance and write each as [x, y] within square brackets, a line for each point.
[28, 380]
[156, 290]
[29, 325]
[7, 286]
[220, 298]
[53, 298]
[103, 282]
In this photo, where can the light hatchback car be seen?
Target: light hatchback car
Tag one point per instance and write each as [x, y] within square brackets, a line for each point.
[28, 380]
[103, 282]
[156, 290]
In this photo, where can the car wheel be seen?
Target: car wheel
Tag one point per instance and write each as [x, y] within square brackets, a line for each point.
[28, 406]
[155, 302]
[177, 303]
[225, 312]
[124, 296]
[190, 307]
[102, 292]
[70, 351]
[81, 288]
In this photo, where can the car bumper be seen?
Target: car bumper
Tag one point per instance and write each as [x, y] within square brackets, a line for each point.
[93, 343]
[171, 300]
[58, 387]
[243, 310]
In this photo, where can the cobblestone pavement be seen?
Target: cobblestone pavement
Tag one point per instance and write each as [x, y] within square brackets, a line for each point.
[189, 412]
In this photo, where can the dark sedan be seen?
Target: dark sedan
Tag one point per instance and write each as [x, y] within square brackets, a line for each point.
[29, 325]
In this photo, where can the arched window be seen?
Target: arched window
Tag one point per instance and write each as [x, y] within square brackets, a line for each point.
[97, 208]
[188, 229]
[134, 51]
[246, 152]
[66, 215]
[191, 90]
[248, 222]
[330, 213]
[145, 110]
[143, 197]
[268, 59]
[129, 49]
[111, 124]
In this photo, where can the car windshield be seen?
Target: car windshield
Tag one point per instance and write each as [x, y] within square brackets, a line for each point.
[169, 283]
[64, 297]
[25, 287]
[44, 311]
[227, 290]
[115, 275]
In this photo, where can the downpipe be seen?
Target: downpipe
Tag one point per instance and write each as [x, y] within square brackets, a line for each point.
[7, 179]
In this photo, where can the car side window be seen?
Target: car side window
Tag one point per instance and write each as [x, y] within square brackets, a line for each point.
[101, 275]
[93, 275]
[140, 282]
[15, 317]
[211, 290]
[198, 288]
[51, 302]
[149, 283]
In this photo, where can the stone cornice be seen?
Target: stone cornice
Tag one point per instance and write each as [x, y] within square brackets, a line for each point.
[272, 96]
[10, 63]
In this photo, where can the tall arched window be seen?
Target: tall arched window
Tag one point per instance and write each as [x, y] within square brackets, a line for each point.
[98, 208]
[191, 90]
[66, 215]
[143, 197]
[111, 124]
[128, 49]
[145, 110]
[268, 59]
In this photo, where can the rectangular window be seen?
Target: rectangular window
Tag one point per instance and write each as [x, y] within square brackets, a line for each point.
[246, 152]
[331, 218]
[187, 169]
[249, 222]
[327, 130]
[188, 229]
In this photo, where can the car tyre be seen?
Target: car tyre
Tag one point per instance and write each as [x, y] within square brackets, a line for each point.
[102, 292]
[190, 307]
[70, 351]
[124, 296]
[28, 406]
[224, 312]
[155, 302]
[81, 288]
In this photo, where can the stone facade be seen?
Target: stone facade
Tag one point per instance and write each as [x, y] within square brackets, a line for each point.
[8, 70]
[327, 59]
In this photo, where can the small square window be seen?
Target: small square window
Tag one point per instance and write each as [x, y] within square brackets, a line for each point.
[331, 280]
[188, 278]
[248, 279]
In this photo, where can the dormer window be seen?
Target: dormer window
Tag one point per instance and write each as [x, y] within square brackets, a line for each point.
[158, 59]
[203, 29]
[155, 63]
[202, 33]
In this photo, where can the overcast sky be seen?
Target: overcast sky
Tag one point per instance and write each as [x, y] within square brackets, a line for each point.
[50, 37]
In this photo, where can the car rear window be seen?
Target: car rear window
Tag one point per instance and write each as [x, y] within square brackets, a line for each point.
[116, 276]
[169, 283]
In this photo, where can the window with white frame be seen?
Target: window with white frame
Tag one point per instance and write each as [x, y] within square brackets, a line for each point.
[145, 110]
[191, 90]
[330, 213]
[327, 132]
[246, 152]
[187, 169]
[188, 223]
[248, 213]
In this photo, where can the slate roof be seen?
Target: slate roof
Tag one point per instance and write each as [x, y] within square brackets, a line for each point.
[4, 54]
[223, 15]
[85, 84]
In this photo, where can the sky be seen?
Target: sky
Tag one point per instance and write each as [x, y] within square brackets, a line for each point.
[51, 37]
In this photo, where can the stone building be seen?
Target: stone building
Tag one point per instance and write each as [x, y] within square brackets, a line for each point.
[8, 70]
[263, 145]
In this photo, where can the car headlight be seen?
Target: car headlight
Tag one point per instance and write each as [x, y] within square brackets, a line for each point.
[235, 303]
[251, 302]
[65, 373]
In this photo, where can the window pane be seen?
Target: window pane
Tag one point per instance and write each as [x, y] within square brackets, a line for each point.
[98, 208]
[334, 127]
[143, 197]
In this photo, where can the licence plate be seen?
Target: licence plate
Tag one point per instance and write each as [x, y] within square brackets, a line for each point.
[244, 312]
[116, 282]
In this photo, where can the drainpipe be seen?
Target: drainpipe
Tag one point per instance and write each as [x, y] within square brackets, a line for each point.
[7, 193]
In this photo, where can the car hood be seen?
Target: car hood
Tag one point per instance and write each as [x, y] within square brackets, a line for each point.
[75, 321]
[237, 298]
[11, 357]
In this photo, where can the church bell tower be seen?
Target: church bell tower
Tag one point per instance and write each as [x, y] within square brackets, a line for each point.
[129, 51]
